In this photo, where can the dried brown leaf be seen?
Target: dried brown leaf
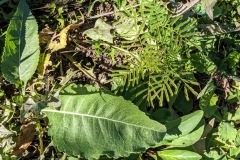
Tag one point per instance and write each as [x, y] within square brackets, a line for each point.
[25, 138]
[225, 86]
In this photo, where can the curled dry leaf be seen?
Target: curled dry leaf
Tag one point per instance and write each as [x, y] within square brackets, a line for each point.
[225, 86]
[59, 41]
[25, 138]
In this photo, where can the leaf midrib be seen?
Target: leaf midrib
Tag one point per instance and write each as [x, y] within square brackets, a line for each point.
[19, 47]
[97, 117]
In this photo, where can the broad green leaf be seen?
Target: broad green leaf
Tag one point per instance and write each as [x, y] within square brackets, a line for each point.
[173, 116]
[233, 59]
[235, 152]
[208, 103]
[200, 146]
[214, 155]
[236, 116]
[101, 31]
[189, 139]
[184, 131]
[183, 125]
[227, 131]
[21, 50]
[72, 158]
[95, 123]
[179, 155]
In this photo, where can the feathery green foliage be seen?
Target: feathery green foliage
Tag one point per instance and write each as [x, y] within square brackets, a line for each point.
[160, 57]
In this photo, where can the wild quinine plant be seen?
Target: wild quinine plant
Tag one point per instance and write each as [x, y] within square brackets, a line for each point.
[160, 65]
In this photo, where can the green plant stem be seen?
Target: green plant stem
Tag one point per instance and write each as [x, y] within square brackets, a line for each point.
[64, 156]
[23, 88]
[89, 75]
[40, 135]
[127, 52]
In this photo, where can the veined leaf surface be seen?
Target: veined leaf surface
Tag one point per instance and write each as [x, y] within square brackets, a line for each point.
[179, 155]
[184, 131]
[21, 50]
[91, 123]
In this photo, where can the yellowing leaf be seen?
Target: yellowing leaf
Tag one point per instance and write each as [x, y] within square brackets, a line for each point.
[59, 41]
[44, 61]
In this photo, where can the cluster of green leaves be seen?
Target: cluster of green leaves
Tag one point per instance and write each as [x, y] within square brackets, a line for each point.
[160, 56]
[228, 8]
[223, 141]
[163, 55]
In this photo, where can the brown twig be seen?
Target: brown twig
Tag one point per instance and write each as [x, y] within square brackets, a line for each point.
[110, 13]
[86, 72]
[185, 7]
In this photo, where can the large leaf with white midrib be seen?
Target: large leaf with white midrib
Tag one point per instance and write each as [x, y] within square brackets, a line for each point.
[91, 123]
[21, 50]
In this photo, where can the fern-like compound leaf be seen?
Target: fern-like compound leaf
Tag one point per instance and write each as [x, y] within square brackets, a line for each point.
[162, 52]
